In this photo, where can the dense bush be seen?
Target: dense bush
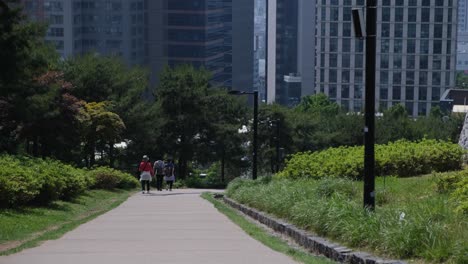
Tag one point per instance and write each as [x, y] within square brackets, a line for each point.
[426, 229]
[107, 178]
[456, 184]
[26, 181]
[401, 158]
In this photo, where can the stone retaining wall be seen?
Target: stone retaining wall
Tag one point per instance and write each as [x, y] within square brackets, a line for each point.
[310, 242]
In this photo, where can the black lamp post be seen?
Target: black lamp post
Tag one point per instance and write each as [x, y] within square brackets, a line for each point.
[369, 129]
[276, 123]
[255, 127]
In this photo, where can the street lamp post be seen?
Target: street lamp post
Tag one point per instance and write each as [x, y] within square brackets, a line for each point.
[276, 123]
[255, 128]
[369, 129]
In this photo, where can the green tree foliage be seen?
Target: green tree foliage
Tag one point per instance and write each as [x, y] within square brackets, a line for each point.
[321, 123]
[24, 56]
[195, 120]
[101, 127]
[221, 138]
[462, 80]
[275, 131]
[107, 79]
[396, 124]
[51, 123]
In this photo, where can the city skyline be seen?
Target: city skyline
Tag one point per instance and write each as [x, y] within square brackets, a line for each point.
[284, 49]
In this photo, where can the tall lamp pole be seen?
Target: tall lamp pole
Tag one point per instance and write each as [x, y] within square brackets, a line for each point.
[255, 128]
[369, 129]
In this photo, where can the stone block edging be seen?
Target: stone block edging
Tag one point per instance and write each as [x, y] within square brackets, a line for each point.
[311, 242]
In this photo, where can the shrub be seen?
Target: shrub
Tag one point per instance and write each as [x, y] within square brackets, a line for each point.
[455, 184]
[34, 181]
[401, 158]
[18, 186]
[107, 178]
[27, 180]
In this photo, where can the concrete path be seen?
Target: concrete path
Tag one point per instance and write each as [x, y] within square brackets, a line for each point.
[163, 227]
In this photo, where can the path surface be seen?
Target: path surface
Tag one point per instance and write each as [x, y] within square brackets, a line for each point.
[163, 227]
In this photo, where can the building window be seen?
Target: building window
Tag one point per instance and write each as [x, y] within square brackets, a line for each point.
[55, 32]
[409, 92]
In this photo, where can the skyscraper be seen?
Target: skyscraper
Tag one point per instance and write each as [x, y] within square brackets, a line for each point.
[101, 26]
[290, 50]
[416, 53]
[214, 34]
[462, 44]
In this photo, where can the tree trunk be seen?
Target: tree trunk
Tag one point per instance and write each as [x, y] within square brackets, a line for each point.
[36, 146]
[111, 155]
[182, 167]
[223, 161]
[91, 152]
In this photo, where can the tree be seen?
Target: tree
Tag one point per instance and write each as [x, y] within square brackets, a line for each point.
[100, 126]
[221, 139]
[275, 131]
[24, 56]
[51, 120]
[182, 115]
[318, 104]
[394, 125]
[462, 80]
[108, 79]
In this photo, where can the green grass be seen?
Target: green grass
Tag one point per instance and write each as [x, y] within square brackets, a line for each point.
[27, 227]
[412, 220]
[263, 236]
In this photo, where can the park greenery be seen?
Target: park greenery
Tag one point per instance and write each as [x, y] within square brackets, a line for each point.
[76, 110]
[34, 181]
[60, 115]
[264, 236]
[413, 219]
[400, 158]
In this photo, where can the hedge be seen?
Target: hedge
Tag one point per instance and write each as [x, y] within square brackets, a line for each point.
[400, 158]
[34, 181]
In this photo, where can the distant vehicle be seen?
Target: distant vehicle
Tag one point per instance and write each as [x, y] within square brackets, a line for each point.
[203, 175]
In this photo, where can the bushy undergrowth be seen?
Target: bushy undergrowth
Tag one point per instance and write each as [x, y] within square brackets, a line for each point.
[108, 178]
[417, 224]
[456, 184]
[401, 158]
[34, 181]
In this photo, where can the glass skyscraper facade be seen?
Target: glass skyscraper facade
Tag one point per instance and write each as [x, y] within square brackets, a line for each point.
[213, 34]
[290, 50]
[105, 27]
[416, 53]
[196, 35]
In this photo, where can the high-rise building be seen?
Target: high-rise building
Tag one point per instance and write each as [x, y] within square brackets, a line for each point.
[290, 50]
[214, 34]
[105, 27]
[416, 53]
[260, 47]
[462, 44]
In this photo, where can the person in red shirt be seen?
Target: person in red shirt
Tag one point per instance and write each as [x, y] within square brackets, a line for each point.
[146, 174]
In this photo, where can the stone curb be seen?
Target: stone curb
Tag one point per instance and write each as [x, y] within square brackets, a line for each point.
[310, 242]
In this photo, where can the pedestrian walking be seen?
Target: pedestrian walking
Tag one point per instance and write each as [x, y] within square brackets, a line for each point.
[169, 176]
[146, 174]
[159, 171]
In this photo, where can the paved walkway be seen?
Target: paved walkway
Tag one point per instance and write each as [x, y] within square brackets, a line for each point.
[167, 227]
